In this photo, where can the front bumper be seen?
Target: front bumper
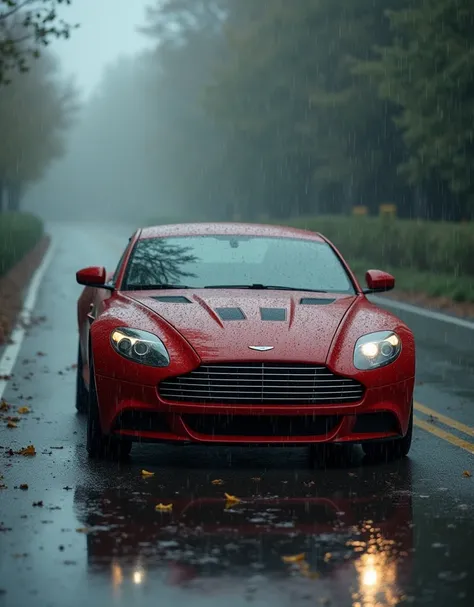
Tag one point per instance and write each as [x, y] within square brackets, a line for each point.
[137, 412]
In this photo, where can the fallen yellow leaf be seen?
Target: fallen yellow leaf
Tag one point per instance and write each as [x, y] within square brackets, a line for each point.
[11, 424]
[82, 530]
[24, 486]
[23, 410]
[147, 474]
[218, 481]
[163, 507]
[27, 451]
[295, 558]
[231, 498]
[467, 474]
[4, 406]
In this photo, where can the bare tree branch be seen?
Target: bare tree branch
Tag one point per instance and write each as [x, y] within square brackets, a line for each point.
[26, 27]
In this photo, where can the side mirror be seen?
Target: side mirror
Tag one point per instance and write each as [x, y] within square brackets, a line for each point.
[95, 276]
[378, 281]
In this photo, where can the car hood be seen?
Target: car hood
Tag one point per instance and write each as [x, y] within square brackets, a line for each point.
[221, 325]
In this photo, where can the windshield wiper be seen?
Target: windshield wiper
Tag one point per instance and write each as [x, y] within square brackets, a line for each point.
[155, 287]
[259, 287]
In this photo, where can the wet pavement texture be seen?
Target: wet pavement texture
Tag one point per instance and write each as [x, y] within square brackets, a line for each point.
[76, 532]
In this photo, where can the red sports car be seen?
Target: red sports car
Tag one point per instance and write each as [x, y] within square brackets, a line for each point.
[240, 334]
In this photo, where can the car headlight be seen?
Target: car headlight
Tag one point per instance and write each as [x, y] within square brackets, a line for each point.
[376, 350]
[140, 346]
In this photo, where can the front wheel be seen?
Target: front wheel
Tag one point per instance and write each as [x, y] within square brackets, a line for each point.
[100, 445]
[392, 449]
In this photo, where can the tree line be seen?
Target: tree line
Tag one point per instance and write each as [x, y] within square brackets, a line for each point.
[36, 104]
[278, 108]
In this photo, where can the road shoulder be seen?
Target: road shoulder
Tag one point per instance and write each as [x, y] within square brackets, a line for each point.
[13, 288]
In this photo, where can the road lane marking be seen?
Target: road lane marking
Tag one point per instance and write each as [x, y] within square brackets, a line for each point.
[447, 421]
[446, 436]
[11, 352]
[398, 305]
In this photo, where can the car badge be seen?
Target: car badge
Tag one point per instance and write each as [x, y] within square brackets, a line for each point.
[261, 348]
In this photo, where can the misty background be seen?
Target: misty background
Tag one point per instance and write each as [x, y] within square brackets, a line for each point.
[218, 109]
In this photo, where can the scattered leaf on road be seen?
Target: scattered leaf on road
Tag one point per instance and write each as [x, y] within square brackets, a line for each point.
[28, 451]
[163, 507]
[231, 499]
[218, 481]
[4, 406]
[294, 558]
[82, 530]
[23, 410]
[467, 474]
[11, 424]
[24, 486]
[147, 474]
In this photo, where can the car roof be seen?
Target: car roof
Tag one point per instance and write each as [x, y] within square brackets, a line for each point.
[202, 229]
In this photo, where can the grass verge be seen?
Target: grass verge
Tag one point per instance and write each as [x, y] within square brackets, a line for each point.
[19, 234]
[22, 246]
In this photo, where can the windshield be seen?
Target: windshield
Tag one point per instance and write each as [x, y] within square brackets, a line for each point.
[236, 261]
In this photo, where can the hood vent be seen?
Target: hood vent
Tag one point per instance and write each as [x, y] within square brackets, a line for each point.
[172, 299]
[314, 301]
[230, 313]
[275, 314]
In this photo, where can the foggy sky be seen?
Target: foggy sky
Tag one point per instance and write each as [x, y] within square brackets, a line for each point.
[107, 30]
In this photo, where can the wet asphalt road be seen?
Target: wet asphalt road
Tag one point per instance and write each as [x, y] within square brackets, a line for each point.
[87, 533]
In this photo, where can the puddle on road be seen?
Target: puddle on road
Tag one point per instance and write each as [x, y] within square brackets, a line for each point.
[362, 545]
[356, 536]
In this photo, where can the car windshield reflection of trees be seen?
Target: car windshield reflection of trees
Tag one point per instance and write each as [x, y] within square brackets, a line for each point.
[156, 262]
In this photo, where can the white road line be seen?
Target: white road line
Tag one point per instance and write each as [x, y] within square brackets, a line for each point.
[11, 352]
[398, 305]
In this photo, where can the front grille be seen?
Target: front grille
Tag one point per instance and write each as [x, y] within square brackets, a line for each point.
[261, 383]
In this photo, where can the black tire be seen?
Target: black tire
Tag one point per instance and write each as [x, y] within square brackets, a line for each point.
[393, 449]
[100, 445]
[82, 394]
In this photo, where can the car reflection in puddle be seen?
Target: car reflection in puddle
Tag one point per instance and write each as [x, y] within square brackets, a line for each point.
[350, 544]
